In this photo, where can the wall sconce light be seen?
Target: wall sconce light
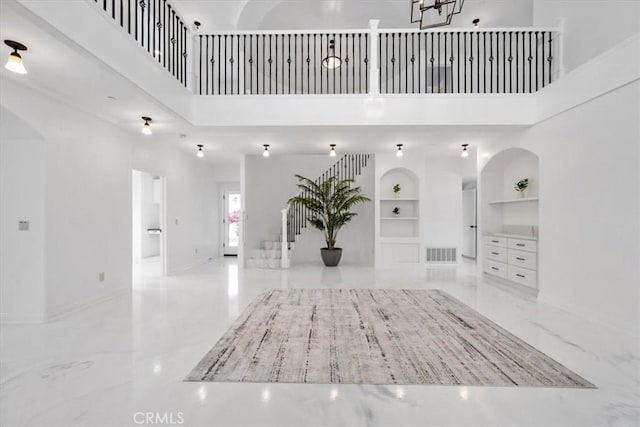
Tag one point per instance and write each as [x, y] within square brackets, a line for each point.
[399, 153]
[200, 153]
[332, 152]
[14, 63]
[146, 128]
[265, 153]
[465, 152]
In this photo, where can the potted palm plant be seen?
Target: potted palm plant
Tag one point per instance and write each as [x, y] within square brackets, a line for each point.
[329, 205]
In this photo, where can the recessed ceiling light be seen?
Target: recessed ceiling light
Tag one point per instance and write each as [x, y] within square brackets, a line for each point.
[14, 63]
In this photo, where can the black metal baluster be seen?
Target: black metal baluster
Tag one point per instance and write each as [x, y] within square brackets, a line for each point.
[315, 62]
[320, 62]
[164, 33]
[148, 26]
[517, 60]
[445, 63]
[366, 62]
[413, 63]
[530, 58]
[510, 60]
[113, 9]
[340, 56]
[537, 87]
[334, 68]
[439, 77]
[153, 26]
[504, 69]
[550, 58]
[406, 63]
[200, 67]
[295, 63]
[432, 59]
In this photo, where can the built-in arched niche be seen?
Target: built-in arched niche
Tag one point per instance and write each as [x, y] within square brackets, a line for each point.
[503, 208]
[399, 216]
[509, 218]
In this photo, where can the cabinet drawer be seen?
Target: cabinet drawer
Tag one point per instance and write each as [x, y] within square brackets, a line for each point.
[495, 241]
[522, 258]
[523, 245]
[495, 253]
[522, 275]
[496, 268]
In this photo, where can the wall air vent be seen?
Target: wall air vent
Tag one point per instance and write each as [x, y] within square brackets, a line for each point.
[441, 255]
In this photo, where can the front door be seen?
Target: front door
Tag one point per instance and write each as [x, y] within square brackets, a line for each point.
[231, 222]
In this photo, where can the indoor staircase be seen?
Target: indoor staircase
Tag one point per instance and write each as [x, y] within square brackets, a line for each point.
[350, 166]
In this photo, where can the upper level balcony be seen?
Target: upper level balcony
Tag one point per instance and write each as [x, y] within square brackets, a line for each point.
[366, 76]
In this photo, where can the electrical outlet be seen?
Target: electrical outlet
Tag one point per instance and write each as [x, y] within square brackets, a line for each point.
[23, 225]
[176, 221]
[101, 277]
[196, 250]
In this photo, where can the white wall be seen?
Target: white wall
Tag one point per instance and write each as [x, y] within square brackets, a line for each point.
[86, 204]
[589, 209]
[590, 26]
[270, 182]
[442, 214]
[22, 174]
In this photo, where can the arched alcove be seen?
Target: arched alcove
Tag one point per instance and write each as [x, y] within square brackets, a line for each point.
[399, 216]
[509, 218]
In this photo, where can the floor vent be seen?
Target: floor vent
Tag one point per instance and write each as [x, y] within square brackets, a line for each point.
[442, 255]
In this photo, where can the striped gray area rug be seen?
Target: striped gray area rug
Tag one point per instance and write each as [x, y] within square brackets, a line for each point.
[374, 336]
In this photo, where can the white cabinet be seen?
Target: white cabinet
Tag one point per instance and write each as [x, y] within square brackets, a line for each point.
[511, 258]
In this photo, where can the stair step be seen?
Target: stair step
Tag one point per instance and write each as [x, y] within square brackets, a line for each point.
[263, 263]
[265, 254]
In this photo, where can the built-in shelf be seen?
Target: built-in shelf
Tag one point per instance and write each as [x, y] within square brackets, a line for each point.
[399, 199]
[523, 199]
[399, 218]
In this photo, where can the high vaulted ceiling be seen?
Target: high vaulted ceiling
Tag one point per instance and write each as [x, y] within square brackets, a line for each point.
[338, 14]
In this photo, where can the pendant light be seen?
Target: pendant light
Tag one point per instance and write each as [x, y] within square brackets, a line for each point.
[465, 152]
[146, 128]
[332, 152]
[399, 153]
[265, 153]
[200, 153]
[476, 23]
[332, 61]
[14, 63]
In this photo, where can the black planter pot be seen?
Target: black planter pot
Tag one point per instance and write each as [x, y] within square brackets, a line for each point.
[331, 257]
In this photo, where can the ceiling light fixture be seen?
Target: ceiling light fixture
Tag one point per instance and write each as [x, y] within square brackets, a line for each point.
[465, 152]
[434, 13]
[15, 60]
[332, 152]
[399, 153]
[146, 128]
[476, 23]
[332, 61]
[200, 153]
[265, 153]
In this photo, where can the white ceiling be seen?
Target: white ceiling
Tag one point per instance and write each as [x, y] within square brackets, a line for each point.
[338, 14]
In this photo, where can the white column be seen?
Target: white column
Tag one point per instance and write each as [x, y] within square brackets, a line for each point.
[284, 262]
[374, 73]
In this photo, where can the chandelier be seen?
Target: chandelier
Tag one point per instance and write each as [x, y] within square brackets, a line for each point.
[434, 13]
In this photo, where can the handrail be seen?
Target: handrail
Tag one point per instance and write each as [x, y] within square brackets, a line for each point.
[377, 61]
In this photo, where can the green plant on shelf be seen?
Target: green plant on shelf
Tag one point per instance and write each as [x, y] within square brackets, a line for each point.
[396, 190]
[521, 186]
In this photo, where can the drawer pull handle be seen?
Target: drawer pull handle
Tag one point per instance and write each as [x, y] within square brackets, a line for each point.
[520, 275]
[520, 244]
[495, 241]
[495, 253]
[519, 259]
[495, 268]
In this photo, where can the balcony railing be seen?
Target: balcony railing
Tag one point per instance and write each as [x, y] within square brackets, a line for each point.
[487, 61]
[156, 26]
[496, 61]
[282, 63]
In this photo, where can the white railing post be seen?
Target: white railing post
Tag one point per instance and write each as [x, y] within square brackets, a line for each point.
[284, 261]
[374, 72]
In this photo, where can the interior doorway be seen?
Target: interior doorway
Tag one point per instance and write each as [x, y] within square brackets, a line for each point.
[469, 226]
[147, 225]
[231, 210]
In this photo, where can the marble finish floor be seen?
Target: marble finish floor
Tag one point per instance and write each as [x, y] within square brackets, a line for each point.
[118, 362]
